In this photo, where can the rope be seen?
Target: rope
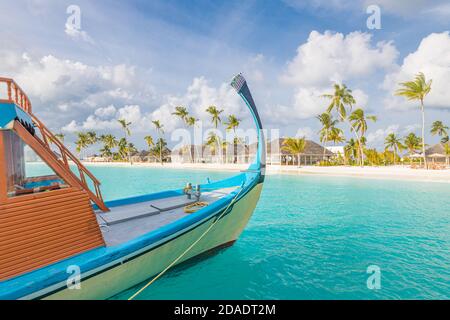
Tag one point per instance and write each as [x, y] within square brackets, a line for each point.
[195, 207]
[187, 250]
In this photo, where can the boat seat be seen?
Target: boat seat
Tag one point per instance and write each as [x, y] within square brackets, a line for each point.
[172, 203]
[128, 212]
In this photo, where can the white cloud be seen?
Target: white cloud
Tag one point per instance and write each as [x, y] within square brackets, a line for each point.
[379, 135]
[199, 95]
[330, 58]
[432, 57]
[76, 89]
[305, 132]
[333, 57]
[106, 112]
[77, 34]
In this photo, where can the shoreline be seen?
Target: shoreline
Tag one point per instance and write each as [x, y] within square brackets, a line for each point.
[381, 173]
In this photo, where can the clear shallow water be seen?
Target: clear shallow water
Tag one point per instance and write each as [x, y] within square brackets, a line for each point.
[312, 238]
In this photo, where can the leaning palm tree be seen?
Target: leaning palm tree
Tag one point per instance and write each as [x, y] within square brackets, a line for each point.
[340, 99]
[438, 128]
[150, 143]
[417, 90]
[232, 124]
[358, 120]
[393, 142]
[126, 128]
[328, 124]
[182, 113]
[82, 142]
[160, 130]
[215, 119]
[294, 146]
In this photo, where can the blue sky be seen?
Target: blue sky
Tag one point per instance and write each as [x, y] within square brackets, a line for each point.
[139, 59]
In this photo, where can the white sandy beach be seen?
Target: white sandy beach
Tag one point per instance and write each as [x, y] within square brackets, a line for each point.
[391, 172]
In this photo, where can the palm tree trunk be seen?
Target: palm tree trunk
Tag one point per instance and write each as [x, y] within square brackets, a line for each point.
[423, 135]
[395, 156]
[359, 143]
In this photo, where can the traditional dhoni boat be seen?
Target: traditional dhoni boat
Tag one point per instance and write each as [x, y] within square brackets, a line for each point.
[60, 240]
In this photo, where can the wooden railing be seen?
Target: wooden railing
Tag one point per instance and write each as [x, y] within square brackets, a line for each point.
[49, 140]
[15, 94]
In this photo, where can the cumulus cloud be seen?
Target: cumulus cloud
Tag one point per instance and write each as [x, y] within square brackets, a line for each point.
[433, 59]
[379, 135]
[74, 88]
[198, 96]
[334, 57]
[327, 58]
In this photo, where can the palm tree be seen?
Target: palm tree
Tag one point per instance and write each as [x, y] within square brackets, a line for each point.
[215, 115]
[351, 150]
[328, 124]
[412, 144]
[105, 152]
[232, 124]
[447, 153]
[438, 128]
[92, 137]
[417, 90]
[109, 141]
[336, 135]
[358, 119]
[82, 142]
[150, 144]
[215, 119]
[295, 146]
[181, 112]
[126, 128]
[341, 98]
[160, 130]
[393, 142]
[190, 122]
[213, 142]
[123, 151]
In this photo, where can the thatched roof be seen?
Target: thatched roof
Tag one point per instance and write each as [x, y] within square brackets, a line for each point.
[311, 148]
[437, 148]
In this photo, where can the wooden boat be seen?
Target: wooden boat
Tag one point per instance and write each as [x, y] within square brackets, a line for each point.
[60, 240]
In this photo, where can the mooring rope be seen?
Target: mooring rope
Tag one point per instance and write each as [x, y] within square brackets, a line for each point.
[188, 249]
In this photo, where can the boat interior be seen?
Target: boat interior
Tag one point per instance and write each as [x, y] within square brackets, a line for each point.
[126, 222]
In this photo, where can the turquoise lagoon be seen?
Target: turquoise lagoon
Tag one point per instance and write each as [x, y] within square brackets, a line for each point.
[312, 237]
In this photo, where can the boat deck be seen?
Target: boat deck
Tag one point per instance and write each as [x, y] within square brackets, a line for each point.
[127, 222]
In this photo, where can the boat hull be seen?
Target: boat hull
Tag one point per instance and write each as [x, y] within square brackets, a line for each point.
[111, 281]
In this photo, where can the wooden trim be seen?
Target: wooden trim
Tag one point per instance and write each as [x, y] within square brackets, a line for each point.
[3, 196]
